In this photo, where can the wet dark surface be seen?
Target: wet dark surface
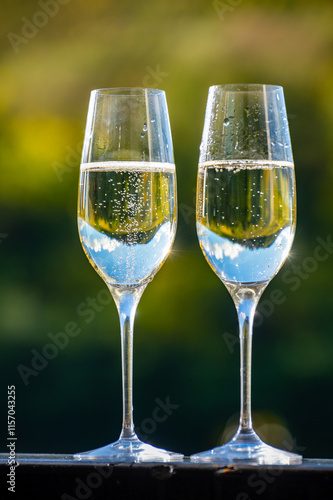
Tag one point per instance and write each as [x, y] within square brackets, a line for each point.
[63, 478]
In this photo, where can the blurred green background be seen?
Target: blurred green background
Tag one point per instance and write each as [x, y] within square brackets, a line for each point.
[68, 398]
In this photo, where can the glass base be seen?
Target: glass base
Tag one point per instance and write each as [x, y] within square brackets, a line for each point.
[247, 449]
[130, 450]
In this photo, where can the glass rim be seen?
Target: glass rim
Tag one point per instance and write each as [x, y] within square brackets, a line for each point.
[128, 91]
[247, 87]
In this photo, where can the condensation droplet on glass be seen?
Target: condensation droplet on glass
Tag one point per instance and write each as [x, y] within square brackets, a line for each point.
[226, 122]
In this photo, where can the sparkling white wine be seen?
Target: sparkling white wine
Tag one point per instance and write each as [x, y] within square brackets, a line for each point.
[127, 218]
[246, 218]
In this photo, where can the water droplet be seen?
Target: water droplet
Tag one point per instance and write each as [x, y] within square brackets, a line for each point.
[144, 128]
[142, 135]
[226, 122]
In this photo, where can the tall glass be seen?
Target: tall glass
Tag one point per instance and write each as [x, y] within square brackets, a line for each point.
[246, 213]
[127, 221]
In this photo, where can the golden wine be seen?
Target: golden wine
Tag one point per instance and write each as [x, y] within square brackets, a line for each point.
[127, 218]
[246, 218]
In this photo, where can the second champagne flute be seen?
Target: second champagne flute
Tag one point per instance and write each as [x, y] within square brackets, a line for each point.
[246, 223]
[127, 222]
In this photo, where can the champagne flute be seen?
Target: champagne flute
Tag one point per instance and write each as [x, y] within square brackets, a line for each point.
[127, 222]
[246, 213]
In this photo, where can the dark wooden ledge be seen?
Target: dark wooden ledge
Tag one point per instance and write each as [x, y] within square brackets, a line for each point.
[59, 477]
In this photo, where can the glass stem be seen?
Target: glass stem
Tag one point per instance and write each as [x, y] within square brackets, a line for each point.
[127, 300]
[246, 300]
